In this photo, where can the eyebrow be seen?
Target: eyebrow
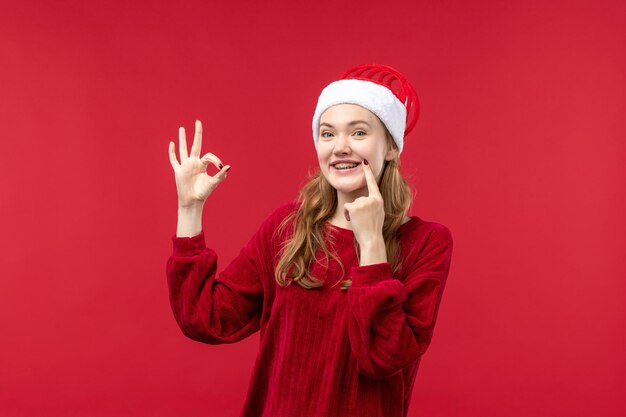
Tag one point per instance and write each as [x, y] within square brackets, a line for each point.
[355, 122]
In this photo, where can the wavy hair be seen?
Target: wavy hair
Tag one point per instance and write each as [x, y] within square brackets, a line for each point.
[317, 202]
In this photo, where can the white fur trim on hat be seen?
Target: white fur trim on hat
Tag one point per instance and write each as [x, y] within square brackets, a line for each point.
[374, 97]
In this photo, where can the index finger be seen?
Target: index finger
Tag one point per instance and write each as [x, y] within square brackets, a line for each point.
[197, 141]
[372, 186]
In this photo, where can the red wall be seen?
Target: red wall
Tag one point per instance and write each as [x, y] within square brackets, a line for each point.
[519, 150]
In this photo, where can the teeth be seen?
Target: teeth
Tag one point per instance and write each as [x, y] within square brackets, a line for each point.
[345, 166]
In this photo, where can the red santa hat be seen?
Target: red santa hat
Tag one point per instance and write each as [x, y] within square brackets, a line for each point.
[380, 89]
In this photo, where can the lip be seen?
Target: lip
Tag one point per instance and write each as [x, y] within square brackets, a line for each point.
[344, 171]
[345, 161]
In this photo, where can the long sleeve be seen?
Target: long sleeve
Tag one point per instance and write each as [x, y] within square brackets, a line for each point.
[391, 321]
[216, 309]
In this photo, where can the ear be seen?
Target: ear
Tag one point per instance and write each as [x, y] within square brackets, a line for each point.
[390, 155]
[392, 150]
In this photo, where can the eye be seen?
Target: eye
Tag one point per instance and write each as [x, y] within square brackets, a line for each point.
[360, 133]
[326, 134]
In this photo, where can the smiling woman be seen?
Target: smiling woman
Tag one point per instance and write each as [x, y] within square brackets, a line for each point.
[351, 136]
[326, 349]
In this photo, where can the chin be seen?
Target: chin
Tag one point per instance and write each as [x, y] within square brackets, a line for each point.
[345, 185]
[347, 188]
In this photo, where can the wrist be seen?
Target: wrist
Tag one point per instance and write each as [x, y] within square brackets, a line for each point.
[375, 242]
[189, 221]
[373, 251]
[193, 208]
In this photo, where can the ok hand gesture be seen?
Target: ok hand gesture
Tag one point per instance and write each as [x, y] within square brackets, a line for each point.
[193, 184]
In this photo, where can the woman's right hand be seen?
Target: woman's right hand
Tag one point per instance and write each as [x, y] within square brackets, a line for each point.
[193, 184]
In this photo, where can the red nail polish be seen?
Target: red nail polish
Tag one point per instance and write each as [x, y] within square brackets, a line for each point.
[221, 166]
[227, 169]
[365, 162]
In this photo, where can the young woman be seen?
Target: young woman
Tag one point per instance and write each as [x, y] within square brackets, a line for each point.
[343, 286]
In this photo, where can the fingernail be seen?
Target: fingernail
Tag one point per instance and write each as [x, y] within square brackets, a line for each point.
[227, 169]
[365, 162]
[221, 166]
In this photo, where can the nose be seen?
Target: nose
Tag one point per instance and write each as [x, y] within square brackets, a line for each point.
[342, 145]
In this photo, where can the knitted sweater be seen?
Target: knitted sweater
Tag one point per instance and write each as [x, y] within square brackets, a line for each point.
[323, 352]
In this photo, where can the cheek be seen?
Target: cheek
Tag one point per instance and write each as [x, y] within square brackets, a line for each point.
[322, 154]
[320, 160]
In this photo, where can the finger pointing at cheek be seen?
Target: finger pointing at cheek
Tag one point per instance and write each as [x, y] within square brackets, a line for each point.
[372, 186]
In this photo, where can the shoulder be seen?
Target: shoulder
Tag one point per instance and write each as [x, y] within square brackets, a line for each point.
[268, 235]
[276, 217]
[440, 231]
[282, 211]
[426, 246]
[419, 233]
[418, 225]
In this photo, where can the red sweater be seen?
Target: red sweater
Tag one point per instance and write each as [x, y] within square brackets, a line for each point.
[323, 352]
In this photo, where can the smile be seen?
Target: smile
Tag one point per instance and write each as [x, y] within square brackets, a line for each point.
[344, 168]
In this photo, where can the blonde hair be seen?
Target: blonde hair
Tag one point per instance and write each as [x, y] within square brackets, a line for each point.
[317, 202]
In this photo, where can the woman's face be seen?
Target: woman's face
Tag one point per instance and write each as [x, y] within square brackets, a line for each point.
[351, 133]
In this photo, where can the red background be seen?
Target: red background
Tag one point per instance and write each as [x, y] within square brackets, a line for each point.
[519, 150]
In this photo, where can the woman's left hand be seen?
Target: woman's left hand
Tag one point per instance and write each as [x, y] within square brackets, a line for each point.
[367, 214]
